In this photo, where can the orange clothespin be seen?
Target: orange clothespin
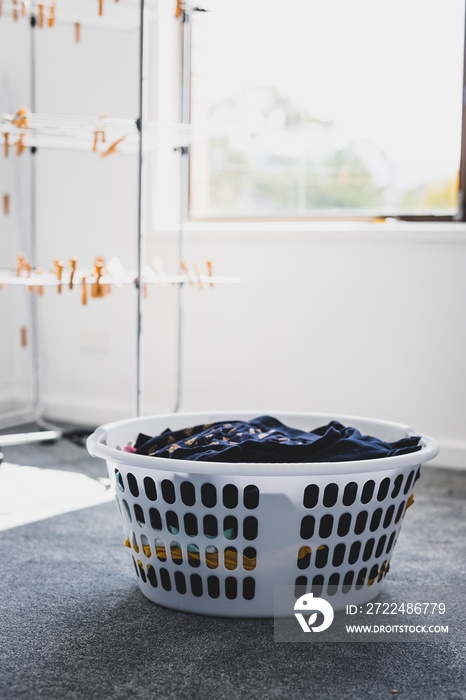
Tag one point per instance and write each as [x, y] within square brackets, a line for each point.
[20, 146]
[199, 276]
[179, 9]
[72, 271]
[40, 19]
[209, 271]
[99, 132]
[6, 204]
[96, 289]
[6, 144]
[186, 272]
[21, 118]
[40, 288]
[83, 291]
[112, 148]
[19, 263]
[77, 32]
[51, 17]
[27, 267]
[101, 7]
[15, 11]
[24, 8]
[0, 16]
[59, 269]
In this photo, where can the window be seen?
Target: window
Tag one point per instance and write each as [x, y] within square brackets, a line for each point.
[334, 109]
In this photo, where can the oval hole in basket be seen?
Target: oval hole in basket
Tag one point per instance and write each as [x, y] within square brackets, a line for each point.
[150, 488]
[126, 510]
[390, 542]
[400, 512]
[190, 524]
[151, 575]
[344, 524]
[180, 582]
[380, 546]
[350, 493]
[142, 573]
[321, 556]
[348, 581]
[188, 493]
[211, 557]
[361, 579]
[375, 520]
[383, 489]
[367, 491]
[317, 585]
[409, 481]
[330, 495]
[165, 579]
[388, 517]
[139, 515]
[173, 525]
[213, 587]
[311, 496]
[249, 588]
[249, 558]
[230, 558]
[304, 557]
[168, 491]
[196, 585]
[251, 497]
[155, 519]
[230, 496]
[250, 528]
[361, 521]
[307, 527]
[368, 549]
[135, 566]
[338, 554]
[372, 575]
[133, 484]
[230, 527]
[194, 558]
[176, 553]
[146, 546]
[160, 551]
[210, 526]
[231, 587]
[326, 526]
[332, 585]
[208, 495]
[397, 486]
[300, 586]
[119, 480]
[354, 552]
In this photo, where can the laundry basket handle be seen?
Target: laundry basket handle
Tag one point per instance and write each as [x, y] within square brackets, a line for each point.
[96, 441]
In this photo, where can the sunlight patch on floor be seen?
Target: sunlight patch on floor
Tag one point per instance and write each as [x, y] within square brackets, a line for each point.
[29, 494]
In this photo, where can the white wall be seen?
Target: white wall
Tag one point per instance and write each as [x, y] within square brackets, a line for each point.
[356, 319]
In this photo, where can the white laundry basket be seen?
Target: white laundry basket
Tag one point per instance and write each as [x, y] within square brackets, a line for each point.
[216, 538]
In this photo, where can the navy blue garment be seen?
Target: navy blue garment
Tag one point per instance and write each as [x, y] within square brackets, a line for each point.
[266, 439]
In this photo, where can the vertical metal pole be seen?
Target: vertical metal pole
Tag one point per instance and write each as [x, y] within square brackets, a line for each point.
[35, 361]
[141, 199]
[184, 190]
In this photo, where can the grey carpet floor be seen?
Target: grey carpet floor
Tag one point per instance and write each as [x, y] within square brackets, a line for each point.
[75, 626]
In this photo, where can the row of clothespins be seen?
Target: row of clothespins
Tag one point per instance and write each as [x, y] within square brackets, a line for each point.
[21, 120]
[45, 15]
[99, 281]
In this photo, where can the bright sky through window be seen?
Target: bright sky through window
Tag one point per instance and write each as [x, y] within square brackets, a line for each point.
[328, 107]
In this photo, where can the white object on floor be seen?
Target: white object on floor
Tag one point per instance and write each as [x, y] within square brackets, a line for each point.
[29, 494]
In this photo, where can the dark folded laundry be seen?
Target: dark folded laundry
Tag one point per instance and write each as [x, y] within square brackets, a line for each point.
[266, 439]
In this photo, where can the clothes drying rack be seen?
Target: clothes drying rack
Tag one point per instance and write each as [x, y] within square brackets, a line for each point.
[139, 136]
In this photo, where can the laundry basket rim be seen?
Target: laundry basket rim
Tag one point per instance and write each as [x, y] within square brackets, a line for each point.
[97, 447]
